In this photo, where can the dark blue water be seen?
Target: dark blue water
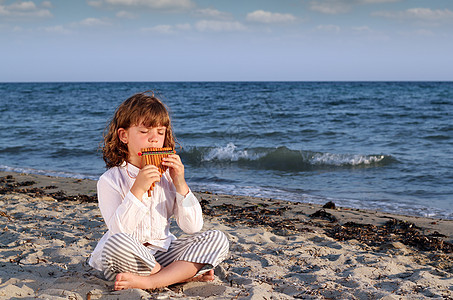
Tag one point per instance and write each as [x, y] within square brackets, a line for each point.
[373, 145]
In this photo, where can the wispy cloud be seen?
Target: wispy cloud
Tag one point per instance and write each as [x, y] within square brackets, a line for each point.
[23, 6]
[154, 4]
[167, 29]
[90, 22]
[27, 9]
[162, 29]
[95, 3]
[213, 14]
[126, 15]
[362, 29]
[219, 26]
[334, 7]
[261, 16]
[46, 4]
[378, 1]
[328, 28]
[183, 27]
[331, 7]
[59, 29]
[424, 14]
[369, 34]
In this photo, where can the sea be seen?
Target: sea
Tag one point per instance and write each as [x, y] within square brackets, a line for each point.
[384, 146]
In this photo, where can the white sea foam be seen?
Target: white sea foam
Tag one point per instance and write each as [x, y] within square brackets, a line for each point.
[228, 152]
[231, 153]
[345, 159]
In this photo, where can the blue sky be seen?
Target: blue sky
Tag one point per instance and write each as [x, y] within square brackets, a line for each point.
[221, 40]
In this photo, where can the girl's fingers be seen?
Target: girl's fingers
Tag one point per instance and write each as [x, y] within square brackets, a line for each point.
[146, 177]
[175, 156]
[149, 168]
[172, 160]
[176, 166]
[149, 174]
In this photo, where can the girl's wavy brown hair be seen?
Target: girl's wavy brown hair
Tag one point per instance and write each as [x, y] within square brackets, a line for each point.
[140, 109]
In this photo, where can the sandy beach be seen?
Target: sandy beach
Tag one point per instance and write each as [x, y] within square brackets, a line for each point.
[279, 250]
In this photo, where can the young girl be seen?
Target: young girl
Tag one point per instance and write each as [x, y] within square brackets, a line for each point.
[138, 250]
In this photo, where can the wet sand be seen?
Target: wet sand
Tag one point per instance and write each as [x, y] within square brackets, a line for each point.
[279, 250]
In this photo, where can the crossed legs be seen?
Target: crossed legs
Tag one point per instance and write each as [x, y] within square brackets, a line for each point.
[132, 265]
[176, 272]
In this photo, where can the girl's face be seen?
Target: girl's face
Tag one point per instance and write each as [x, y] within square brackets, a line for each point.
[139, 136]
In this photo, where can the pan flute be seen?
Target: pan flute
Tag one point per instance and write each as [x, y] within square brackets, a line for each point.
[154, 156]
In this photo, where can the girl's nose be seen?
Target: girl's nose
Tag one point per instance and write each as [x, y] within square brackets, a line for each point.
[153, 137]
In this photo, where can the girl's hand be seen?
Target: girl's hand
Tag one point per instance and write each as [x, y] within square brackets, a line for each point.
[145, 178]
[174, 164]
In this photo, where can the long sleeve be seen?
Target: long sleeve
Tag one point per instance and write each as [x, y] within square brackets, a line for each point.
[120, 213]
[188, 213]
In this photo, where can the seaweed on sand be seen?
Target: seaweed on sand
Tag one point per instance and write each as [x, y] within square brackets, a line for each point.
[393, 230]
[8, 184]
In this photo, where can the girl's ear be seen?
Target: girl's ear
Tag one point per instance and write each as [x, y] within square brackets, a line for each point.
[122, 135]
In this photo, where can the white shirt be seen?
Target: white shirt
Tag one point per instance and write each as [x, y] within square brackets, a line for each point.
[147, 220]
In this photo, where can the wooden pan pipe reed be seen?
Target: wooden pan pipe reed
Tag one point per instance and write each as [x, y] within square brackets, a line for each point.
[154, 156]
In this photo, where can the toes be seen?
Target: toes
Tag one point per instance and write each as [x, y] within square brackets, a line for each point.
[119, 282]
[209, 276]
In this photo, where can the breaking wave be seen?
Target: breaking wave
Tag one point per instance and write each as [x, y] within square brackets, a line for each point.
[281, 158]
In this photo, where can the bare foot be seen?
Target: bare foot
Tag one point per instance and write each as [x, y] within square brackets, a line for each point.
[208, 276]
[132, 281]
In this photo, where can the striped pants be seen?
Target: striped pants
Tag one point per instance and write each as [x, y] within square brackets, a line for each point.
[124, 254]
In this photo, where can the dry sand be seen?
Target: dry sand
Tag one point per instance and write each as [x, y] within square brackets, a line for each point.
[278, 251]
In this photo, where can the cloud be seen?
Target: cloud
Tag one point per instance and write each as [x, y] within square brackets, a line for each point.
[57, 29]
[261, 16]
[23, 6]
[3, 11]
[219, 26]
[212, 13]
[94, 22]
[362, 29]
[155, 4]
[183, 27]
[168, 29]
[424, 14]
[95, 3]
[378, 1]
[47, 4]
[333, 7]
[162, 29]
[27, 9]
[328, 28]
[125, 15]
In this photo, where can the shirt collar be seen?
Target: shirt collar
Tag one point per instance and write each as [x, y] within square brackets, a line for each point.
[130, 168]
